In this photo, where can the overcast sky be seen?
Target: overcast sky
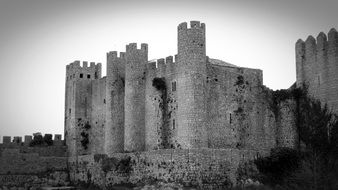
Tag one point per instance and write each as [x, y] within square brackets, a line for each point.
[38, 38]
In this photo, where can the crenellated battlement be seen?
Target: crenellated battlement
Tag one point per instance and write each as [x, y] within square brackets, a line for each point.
[76, 71]
[161, 67]
[316, 62]
[76, 65]
[133, 47]
[115, 55]
[193, 25]
[322, 43]
[26, 140]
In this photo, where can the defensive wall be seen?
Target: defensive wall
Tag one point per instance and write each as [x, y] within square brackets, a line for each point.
[202, 168]
[31, 167]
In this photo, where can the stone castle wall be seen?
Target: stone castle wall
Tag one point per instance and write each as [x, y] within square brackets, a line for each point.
[238, 114]
[57, 149]
[286, 124]
[203, 168]
[161, 105]
[316, 62]
[22, 166]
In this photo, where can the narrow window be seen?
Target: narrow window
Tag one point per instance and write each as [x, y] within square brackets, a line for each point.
[96, 76]
[81, 75]
[318, 78]
[70, 111]
[88, 76]
[230, 119]
[173, 86]
[104, 101]
[173, 123]
[85, 102]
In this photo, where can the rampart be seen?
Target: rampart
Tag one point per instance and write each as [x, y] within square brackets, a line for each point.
[203, 168]
[25, 166]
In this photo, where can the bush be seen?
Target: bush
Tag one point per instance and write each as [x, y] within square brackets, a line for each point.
[315, 164]
[159, 84]
[280, 164]
[37, 139]
[48, 139]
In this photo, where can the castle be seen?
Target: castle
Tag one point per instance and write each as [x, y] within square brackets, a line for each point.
[188, 118]
[179, 102]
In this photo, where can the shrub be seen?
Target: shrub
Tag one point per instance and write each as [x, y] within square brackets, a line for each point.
[159, 84]
[48, 139]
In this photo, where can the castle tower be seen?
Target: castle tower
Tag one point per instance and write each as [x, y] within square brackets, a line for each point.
[191, 83]
[134, 102]
[316, 63]
[114, 129]
[78, 102]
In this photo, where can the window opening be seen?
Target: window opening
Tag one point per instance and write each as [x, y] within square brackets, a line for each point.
[173, 86]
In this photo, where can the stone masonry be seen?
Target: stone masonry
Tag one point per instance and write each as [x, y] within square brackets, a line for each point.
[179, 102]
[187, 118]
[316, 62]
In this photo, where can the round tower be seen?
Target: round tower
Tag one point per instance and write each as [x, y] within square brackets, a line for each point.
[300, 56]
[114, 128]
[191, 84]
[134, 102]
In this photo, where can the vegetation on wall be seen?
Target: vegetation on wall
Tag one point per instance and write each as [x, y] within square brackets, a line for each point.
[315, 164]
[84, 140]
[160, 85]
[282, 95]
[240, 80]
[85, 136]
[122, 165]
[48, 139]
[39, 140]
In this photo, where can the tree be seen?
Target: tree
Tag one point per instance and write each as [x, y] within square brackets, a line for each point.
[315, 164]
[317, 129]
